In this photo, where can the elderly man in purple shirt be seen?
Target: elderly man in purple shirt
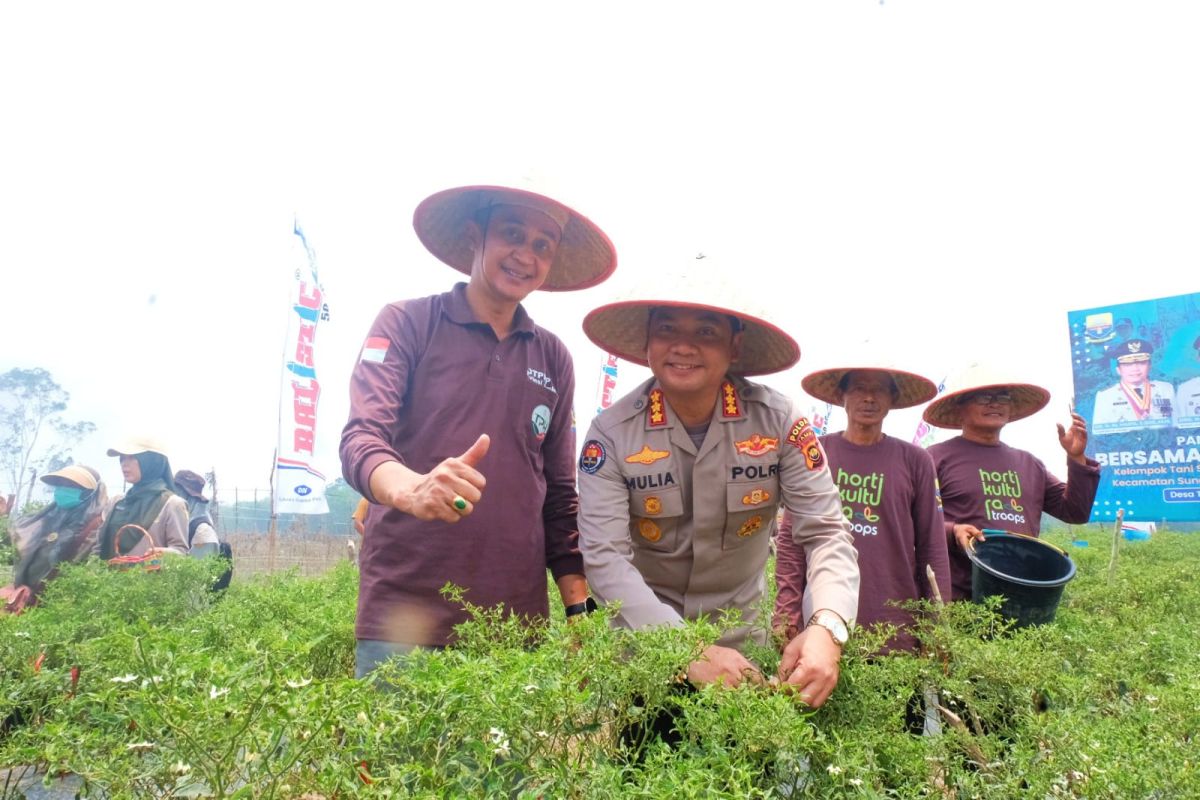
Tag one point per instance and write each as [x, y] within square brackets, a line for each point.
[460, 429]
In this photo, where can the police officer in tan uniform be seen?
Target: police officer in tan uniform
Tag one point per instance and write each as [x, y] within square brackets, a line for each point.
[680, 480]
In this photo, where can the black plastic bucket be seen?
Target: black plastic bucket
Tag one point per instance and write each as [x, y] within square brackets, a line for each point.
[1028, 573]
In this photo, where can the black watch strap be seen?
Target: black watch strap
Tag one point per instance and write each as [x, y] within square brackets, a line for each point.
[586, 607]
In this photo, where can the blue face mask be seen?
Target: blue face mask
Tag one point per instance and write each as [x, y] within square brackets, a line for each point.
[68, 496]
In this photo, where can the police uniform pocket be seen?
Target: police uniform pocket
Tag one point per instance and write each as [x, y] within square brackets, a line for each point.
[749, 512]
[654, 517]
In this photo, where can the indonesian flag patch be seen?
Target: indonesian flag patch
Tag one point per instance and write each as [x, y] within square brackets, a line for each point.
[374, 350]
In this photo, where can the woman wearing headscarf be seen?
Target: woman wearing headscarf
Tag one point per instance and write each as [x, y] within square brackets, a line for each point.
[62, 531]
[150, 503]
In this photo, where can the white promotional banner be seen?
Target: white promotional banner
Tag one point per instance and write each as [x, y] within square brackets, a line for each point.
[298, 487]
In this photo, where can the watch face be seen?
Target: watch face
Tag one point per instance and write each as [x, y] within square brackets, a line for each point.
[835, 626]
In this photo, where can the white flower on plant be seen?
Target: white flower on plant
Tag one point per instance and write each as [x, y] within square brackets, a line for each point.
[856, 781]
[542, 735]
[180, 768]
[299, 684]
[833, 769]
[500, 739]
[22, 634]
[362, 717]
[140, 747]
[252, 757]
[1151, 698]
[530, 688]
[130, 678]
[214, 692]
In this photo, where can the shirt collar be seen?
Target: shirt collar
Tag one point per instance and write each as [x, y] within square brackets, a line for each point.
[458, 310]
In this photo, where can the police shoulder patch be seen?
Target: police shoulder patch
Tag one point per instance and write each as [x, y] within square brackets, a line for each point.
[592, 458]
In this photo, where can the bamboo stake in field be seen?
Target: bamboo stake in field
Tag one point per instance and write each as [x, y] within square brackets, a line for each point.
[1112, 562]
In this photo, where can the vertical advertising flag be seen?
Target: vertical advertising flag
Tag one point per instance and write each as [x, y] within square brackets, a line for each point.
[298, 487]
[608, 382]
[1136, 369]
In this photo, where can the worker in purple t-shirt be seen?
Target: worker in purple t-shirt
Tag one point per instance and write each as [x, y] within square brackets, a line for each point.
[986, 484]
[889, 498]
[460, 431]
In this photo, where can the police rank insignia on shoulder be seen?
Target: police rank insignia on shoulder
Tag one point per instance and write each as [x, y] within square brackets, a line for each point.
[750, 526]
[756, 445]
[804, 438]
[656, 412]
[649, 530]
[730, 406]
[646, 456]
[592, 458]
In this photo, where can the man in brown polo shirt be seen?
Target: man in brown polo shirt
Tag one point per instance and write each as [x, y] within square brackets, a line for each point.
[460, 430]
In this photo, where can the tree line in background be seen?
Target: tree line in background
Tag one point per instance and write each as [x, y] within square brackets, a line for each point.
[37, 437]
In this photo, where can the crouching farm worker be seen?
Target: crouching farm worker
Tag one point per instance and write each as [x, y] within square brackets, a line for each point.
[61, 532]
[680, 481]
[460, 430]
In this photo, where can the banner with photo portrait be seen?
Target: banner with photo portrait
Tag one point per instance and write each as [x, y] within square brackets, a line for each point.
[1136, 369]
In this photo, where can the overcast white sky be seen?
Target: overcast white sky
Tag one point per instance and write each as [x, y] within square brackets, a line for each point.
[944, 179]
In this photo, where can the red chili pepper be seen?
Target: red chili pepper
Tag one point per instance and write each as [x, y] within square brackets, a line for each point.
[37, 662]
[363, 774]
[74, 681]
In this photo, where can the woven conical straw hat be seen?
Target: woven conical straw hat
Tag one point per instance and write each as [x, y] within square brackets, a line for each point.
[585, 256]
[945, 412]
[913, 388]
[700, 283]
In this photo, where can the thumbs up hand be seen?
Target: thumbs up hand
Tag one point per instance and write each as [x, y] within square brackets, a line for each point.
[448, 492]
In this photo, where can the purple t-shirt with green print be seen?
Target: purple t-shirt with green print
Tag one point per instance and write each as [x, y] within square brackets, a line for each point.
[1000, 487]
[889, 498]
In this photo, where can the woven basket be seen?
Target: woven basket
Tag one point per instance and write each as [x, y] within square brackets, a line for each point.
[147, 562]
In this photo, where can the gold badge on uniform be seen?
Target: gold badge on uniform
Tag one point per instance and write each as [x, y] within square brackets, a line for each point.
[756, 497]
[649, 530]
[647, 456]
[750, 526]
[757, 445]
[730, 407]
[652, 504]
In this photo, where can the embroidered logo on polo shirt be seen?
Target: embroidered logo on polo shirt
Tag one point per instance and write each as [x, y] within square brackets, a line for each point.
[652, 505]
[540, 378]
[757, 445]
[649, 530]
[750, 526]
[540, 419]
[756, 497]
[647, 456]
[592, 458]
[374, 350]
[656, 412]
[730, 405]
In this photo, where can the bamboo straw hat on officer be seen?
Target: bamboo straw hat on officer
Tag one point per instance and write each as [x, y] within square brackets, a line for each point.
[585, 256]
[946, 411]
[912, 389]
[698, 283]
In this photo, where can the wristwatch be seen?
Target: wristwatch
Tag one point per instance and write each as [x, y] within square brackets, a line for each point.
[831, 622]
[586, 607]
